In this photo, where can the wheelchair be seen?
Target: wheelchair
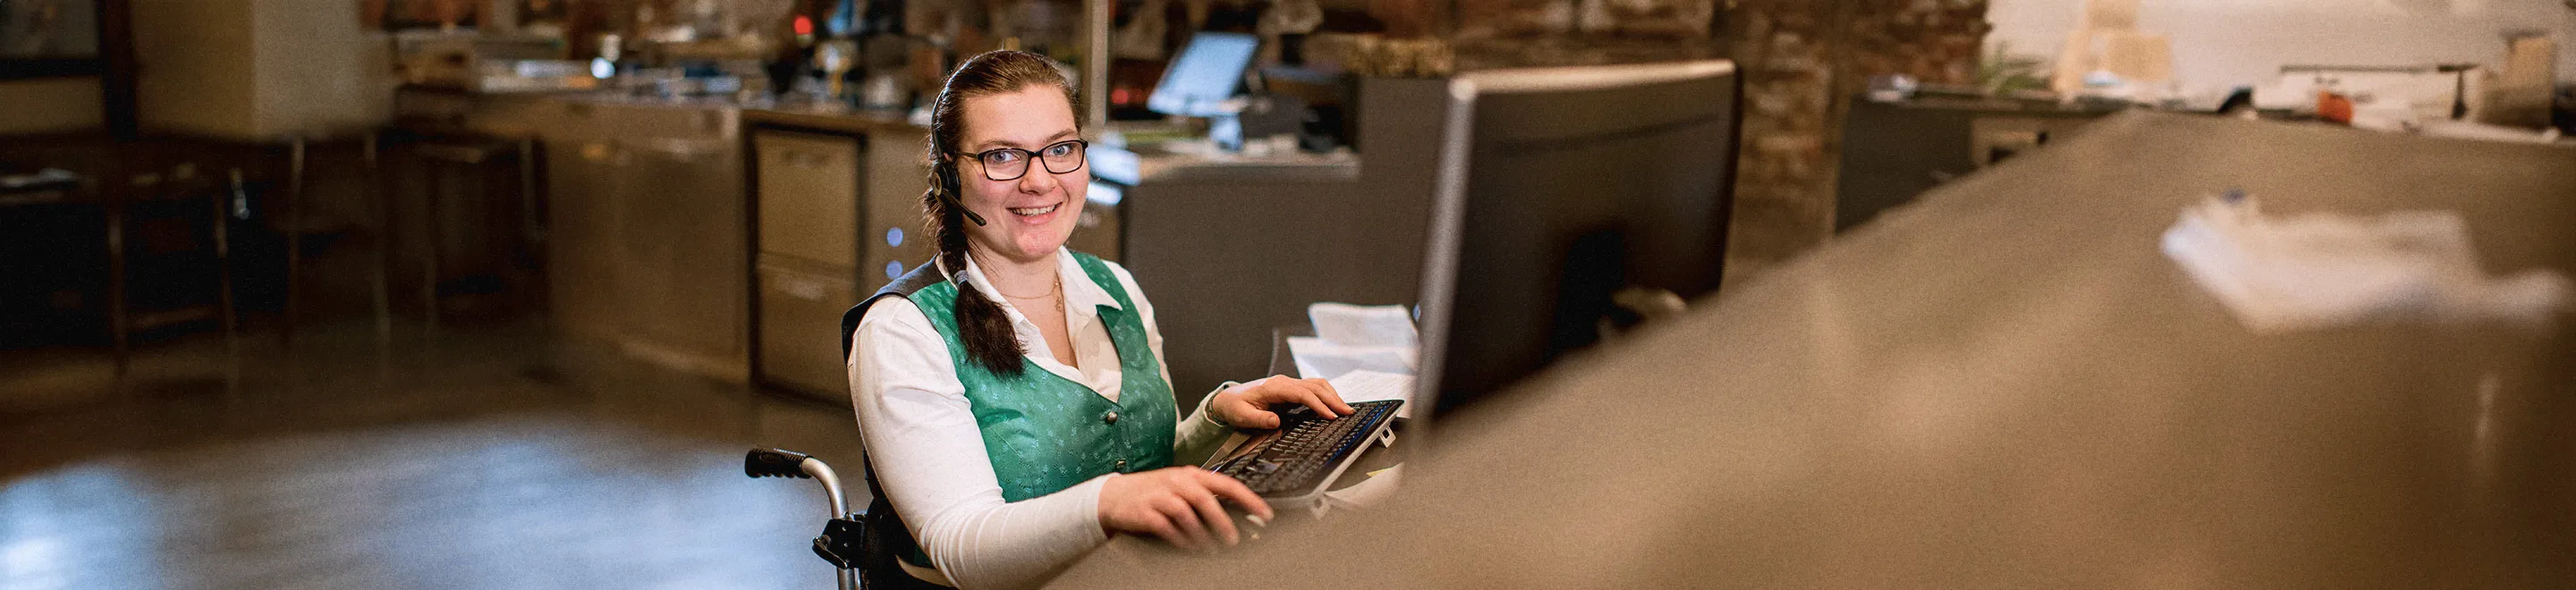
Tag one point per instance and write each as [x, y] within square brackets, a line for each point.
[845, 541]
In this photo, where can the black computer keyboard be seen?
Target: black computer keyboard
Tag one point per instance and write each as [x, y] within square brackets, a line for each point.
[1306, 450]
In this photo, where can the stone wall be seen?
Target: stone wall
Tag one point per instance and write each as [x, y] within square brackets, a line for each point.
[1803, 60]
[1523, 33]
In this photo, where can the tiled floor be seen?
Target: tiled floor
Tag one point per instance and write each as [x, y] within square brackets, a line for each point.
[496, 458]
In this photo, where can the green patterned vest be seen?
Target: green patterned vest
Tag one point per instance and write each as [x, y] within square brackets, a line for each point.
[1045, 433]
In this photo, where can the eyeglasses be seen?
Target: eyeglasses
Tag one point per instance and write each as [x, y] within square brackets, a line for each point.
[1012, 163]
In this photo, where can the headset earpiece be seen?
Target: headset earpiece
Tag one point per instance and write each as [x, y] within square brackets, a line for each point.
[948, 189]
[948, 180]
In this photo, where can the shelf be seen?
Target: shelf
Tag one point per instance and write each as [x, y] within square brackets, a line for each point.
[52, 67]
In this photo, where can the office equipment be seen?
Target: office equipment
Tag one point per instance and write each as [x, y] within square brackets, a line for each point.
[1208, 72]
[1292, 465]
[1560, 188]
[1263, 116]
[1327, 120]
[1345, 229]
[1203, 81]
[2007, 390]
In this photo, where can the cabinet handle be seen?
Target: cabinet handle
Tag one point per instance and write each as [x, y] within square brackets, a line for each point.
[680, 149]
[806, 290]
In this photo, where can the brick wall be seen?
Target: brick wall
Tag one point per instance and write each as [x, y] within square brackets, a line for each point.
[1803, 60]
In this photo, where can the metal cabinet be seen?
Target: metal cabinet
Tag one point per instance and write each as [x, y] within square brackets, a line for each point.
[800, 319]
[806, 202]
[680, 244]
[648, 227]
[582, 285]
[808, 205]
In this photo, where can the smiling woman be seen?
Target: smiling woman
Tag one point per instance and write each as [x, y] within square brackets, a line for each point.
[1012, 393]
[1019, 100]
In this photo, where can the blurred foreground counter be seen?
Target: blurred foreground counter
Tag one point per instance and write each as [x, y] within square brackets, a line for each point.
[2006, 384]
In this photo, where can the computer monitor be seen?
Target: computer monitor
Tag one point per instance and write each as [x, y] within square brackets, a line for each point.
[1560, 189]
[1209, 71]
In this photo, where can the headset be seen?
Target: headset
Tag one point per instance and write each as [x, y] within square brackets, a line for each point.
[946, 169]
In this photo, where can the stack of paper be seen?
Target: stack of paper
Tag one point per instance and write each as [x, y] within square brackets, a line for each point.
[1317, 357]
[1368, 386]
[2330, 269]
[1352, 337]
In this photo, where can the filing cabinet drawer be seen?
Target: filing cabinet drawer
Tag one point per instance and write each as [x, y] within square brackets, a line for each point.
[809, 195]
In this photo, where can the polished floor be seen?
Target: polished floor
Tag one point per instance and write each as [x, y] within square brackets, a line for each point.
[483, 457]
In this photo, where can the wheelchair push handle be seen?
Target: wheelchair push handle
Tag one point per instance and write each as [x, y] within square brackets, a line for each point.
[842, 537]
[768, 462]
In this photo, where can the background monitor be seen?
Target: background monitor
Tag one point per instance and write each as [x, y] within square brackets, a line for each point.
[1560, 188]
[1207, 72]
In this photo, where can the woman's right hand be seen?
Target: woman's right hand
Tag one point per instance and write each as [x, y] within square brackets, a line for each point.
[1179, 505]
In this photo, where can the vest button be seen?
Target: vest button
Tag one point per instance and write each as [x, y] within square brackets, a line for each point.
[1112, 418]
[1122, 465]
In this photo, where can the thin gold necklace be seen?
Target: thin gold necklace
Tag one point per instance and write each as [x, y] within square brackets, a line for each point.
[1053, 291]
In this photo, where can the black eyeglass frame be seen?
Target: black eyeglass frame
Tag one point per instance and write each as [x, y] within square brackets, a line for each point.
[1080, 159]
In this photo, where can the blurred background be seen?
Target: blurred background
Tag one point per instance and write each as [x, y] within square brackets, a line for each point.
[492, 293]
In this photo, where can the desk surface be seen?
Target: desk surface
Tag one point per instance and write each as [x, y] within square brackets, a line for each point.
[1217, 167]
[2006, 385]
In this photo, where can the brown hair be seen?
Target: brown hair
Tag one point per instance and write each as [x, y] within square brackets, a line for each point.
[981, 323]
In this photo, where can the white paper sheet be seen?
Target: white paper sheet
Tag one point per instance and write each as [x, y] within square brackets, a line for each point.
[1363, 325]
[1318, 358]
[1368, 386]
[2327, 269]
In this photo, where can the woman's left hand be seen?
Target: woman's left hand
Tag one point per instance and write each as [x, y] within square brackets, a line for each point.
[1248, 405]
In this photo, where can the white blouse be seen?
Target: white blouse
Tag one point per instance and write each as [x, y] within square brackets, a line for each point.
[929, 455]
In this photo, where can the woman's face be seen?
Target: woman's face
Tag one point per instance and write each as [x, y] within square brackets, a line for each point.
[1028, 217]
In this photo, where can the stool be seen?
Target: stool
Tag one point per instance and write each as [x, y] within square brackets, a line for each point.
[293, 220]
[472, 154]
[149, 197]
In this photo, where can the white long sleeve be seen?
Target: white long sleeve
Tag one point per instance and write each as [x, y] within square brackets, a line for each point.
[929, 455]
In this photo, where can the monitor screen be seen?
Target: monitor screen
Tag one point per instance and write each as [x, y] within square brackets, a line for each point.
[1574, 204]
[1208, 71]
